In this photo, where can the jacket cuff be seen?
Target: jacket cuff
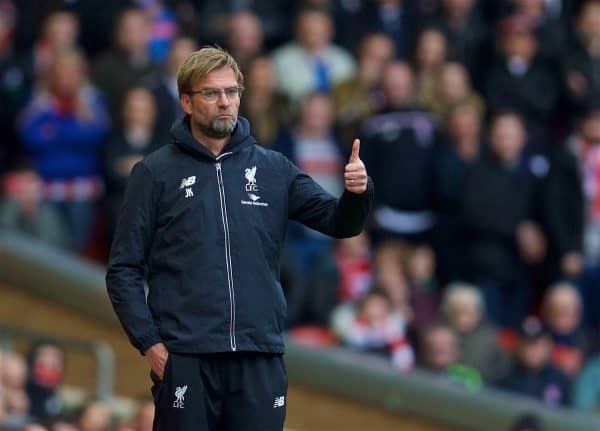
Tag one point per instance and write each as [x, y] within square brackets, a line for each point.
[147, 341]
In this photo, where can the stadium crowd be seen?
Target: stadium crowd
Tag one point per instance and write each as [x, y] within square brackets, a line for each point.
[480, 126]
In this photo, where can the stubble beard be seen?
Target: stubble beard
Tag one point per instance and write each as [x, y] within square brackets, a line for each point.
[219, 129]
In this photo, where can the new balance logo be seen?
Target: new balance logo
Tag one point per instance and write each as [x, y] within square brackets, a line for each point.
[189, 193]
[179, 395]
[187, 182]
[279, 402]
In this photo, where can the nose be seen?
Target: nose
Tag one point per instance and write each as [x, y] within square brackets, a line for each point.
[223, 100]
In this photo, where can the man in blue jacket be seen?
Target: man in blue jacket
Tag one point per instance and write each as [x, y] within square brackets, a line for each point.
[203, 222]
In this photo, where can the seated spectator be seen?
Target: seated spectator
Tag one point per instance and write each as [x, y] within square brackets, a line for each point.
[129, 144]
[562, 313]
[523, 82]
[397, 149]
[468, 36]
[373, 326]
[164, 86]
[452, 88]
[313, 146]
[267, 110]
[389, 275]
[549, 29]
[339, 277]
[142, 419]
[582, 85]
[360, 96]
[463, 309]
[419, 267]
[438, 353]
[532, 373]
[430, 55]
[46, 371]
[311, 63]
[16, 402]
[244, 38]
[502, 240]
[94, 416]
[128, 63]
[163, 27]
[62, 129]
[459, 148]
[24, 208]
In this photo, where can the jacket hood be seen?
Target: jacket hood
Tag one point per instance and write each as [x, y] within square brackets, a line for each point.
[182, 137]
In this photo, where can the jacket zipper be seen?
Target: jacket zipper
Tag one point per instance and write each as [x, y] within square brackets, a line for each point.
[227, 253]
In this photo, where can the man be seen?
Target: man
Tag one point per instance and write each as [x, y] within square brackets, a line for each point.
[206, 217]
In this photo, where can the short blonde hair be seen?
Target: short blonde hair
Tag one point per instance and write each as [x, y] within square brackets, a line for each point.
[202, 62]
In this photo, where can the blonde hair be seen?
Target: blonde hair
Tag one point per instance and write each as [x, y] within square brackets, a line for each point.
[459, 295]
[202, 62]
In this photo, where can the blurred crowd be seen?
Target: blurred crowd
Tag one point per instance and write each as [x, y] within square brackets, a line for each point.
[480, 126]
[30, 398]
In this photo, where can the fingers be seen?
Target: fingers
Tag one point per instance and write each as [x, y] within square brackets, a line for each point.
[357, 175]
[355, 150]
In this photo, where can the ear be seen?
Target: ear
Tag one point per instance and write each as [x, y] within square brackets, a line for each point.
[186, 103]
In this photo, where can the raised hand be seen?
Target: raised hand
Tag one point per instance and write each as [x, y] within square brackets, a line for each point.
[355, 173]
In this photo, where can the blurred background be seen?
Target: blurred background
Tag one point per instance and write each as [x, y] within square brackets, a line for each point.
[472, 300]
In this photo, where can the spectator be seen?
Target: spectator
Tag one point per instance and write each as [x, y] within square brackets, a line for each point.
[244, 38]
[128, 145]
[431, 54]
[311, 63]
[128, 63]
[95, 416]
[25, 209]
[265, 108]
[374, 327]
[502, 238]
[463, 310]
[163, 28]
[13, 375]
[63, 128]
[312, 145]
[398, 19]
[14, 86]
[583, 85]
[532, 373]
[398, 150]
[164, 86]
[522, 81]
[60, 31]
[419, 267]
[562, 315]
[144, 416]
[454, 156]
[548, 28]
[586, 388]
[389, 276]
[467, 34]
[360, 96]
[453, 87]
[46, 369]
[339, 277]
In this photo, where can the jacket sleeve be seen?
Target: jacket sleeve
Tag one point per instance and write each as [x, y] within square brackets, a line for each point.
[311, 205]
[128, 258]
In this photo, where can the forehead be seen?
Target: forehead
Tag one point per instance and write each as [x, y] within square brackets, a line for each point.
[220, 78]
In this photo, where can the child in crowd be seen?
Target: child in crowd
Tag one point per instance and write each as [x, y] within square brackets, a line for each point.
[373, 326]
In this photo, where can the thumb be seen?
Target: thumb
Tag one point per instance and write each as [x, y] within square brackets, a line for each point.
[355, 149]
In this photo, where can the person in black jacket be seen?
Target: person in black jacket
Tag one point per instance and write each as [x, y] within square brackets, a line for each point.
[204, 221]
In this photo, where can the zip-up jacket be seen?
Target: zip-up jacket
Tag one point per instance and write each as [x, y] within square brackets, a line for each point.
[206, 233]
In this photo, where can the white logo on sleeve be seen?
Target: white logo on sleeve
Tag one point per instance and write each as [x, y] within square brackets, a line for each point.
[179, 396]
[250, 174]
[279, 402]
[187, 183]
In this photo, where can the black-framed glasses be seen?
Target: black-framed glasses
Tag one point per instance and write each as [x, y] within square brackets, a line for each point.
[211, 95]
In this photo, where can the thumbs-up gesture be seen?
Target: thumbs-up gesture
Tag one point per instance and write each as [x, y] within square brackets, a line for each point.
[355, 174]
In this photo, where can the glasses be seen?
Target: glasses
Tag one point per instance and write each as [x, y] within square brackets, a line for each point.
[211, 95]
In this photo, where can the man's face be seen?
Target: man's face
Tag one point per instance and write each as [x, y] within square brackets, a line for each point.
[218, 118]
